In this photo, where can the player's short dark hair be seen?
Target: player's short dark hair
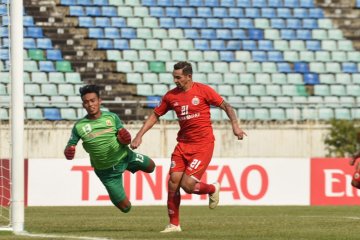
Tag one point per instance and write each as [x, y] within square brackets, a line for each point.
[89, 89]
[185, 66]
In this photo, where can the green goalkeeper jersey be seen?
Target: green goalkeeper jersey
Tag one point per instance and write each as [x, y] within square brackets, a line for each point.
[99, 138]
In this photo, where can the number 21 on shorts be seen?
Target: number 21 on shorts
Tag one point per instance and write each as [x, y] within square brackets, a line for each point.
[195, 163]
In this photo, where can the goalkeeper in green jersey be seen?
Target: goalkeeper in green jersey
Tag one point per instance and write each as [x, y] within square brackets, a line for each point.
[106, 140]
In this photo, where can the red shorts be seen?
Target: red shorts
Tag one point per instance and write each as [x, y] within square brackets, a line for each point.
[192, 159]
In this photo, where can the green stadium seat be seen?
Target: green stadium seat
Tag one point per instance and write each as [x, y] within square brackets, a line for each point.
[321, 90]
[272, 34]
[68, 114]
[317, 67]
[176, 33]
[36, 54]
[245, 114]
[235, 101]
[167, 78]
[56, 77]
[74, 101]
[225, 90]
[49, 89]
[153, 44]
[291, 56]
[277, 114]
[139, 11]
[273, 90]
[356, 78]
[170, 44]
[345, 45]
[315, 100]
[338, 56]
[335, 34]
[355, 113]
[261, 23]
[135, 78]
[122, 66]
[269, 67]
[4, 115]
[157, 67]
[257, 90]
[28, 101]
[282, 45]
[326, 78]
[151, 78]
[30, 66]
[169, 66]
[325, 23]
[243, 56]
[160, 89]
[130, 55]
[353, 56]
[267, 101]
[125, 11]
[215, 78]
[137, 44]
[221, 67]
[301, 90]
[58, 101]
[160, 33]
[337, 90]
[178, 55]
[63, 66]
[283, 101]
[116, 2]
[4, 77]
[150, 22]
[200, 77]
[320, 34]
[113, 55]
[246, 78]
[262, 78]
[298, 45]
[41, 101]
[309, 114]
[343, 78]
[134, 22]
[231, 78]
[211, 56]
[144, 33]
[322, 56]
[144, 90]
[332, 67]
[241, 90]
[32, 89]
[3, 89]
[289, 90]
[185, 44]
[236, 67]
[353, 90]
[331, 101]
[325, 113]
[307, 56]
[293, 114]
[253, 67]
[34, 114]
[146, 55]
[278, 78]
[195, 56]
[205, 67]
[329, 45]
[73, 77]
[295, 78]
[251, 101]
[262, 114]
[66, 89]
[39, 77]
[347, 101]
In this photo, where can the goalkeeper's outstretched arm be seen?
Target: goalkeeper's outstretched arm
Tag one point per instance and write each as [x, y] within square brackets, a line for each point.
[149, 123]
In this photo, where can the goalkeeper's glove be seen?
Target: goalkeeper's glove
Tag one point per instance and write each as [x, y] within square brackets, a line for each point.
[69, 152]
[124, 136]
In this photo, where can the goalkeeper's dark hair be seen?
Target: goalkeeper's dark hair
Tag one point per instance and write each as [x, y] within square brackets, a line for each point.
[89, 89]
[185, 66]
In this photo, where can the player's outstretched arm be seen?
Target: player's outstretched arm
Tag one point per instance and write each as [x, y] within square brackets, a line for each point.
[354, 158]
[149, 123]
[69, 152]
[238, 132]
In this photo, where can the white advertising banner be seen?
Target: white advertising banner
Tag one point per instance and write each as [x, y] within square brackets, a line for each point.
[253, 181]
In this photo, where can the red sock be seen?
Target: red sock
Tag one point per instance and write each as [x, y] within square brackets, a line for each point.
[173, 205]
[203, 188]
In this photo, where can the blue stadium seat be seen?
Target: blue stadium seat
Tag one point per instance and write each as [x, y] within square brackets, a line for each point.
[128, 33]
[121, 44]
[249, 45]
[52, 114]
[4, 54]
[102, 22]
[84, 2]
[92, 11]
[220, 12]
[284, 13]
[233, 45]
[214, 23]
[46, 66]
[201, 44]
[217, 45]
[44, 43]
[100, 2]
[243, 3]
[118, 22]
[211, 3]
[230, 23]
[303, 34]
[86, 22]
[268, 12]
[301, 67]
[275, 56]
[227, 56]
[275, 3]
[313, 45]
[194, 3]
[35, 32]
[291, 3]
[236, 12]
[149, 2]
[96, 33]
[198, 23]
[105, 44]
[246, 23]
[172, 12]
[316, 13]
[27, 21]
[239, 34]
[77, 11]
[349, 67]
[191, 33]
[259, 56]
[284, 67]
[259, 3]
[265, 45]
[300, 13]
[182, 23]
[68, 2]
[227, 3]
[256, 34]
[307, 3]
[278, 23]
[204, 12]
[167, 22]
[188, 12]
[224, 34]
[309, 23]
[288, 34]
[293, 23]
[252, 12]
[311, 78]
[109, 11]
[112, 33]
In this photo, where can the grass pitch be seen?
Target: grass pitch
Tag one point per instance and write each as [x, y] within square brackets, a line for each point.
[197, 222]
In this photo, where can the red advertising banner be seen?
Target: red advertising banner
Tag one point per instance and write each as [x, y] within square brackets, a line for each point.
[331, 182]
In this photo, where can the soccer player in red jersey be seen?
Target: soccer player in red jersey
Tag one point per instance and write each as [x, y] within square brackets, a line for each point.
[191, 101]
[356, 177]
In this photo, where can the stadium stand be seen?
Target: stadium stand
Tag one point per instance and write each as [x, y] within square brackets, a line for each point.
[267, 50]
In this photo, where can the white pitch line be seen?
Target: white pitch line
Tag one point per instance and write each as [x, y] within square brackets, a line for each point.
[59, 236]
[343, 217]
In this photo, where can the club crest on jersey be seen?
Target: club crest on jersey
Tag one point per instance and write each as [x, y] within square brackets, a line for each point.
[108, 123]
[173, 164]
[195, 101]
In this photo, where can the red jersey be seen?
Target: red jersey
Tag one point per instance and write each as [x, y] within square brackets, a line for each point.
[192, 108]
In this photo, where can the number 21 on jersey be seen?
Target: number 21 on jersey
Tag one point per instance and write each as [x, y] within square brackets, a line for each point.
[185, 110]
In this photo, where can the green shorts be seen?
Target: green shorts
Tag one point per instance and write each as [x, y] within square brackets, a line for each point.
[112, 177]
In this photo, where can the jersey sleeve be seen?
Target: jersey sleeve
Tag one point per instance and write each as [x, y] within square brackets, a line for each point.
[74, 138]
[118, 123]
[213, 97]
[163, 106]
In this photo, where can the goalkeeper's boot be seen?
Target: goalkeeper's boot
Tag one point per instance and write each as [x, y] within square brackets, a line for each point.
[171, 228]
[214, 197]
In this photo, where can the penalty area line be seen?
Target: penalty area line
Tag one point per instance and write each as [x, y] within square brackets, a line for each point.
[340, 217]
[27, 234]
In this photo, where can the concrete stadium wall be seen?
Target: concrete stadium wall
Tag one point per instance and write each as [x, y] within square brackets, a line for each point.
[47, 140]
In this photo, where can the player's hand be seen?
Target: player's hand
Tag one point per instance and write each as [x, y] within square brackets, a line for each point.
[354, 158]
[124, 136]
[135, 142]
[69, 152]
[239, 133]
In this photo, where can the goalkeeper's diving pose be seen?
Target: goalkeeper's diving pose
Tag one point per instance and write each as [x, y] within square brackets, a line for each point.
[106, 140]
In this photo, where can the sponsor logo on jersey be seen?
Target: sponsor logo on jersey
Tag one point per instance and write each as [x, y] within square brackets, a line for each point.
[108, 122]
[195, 101]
